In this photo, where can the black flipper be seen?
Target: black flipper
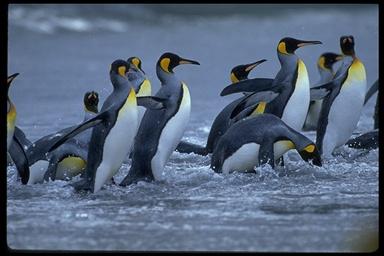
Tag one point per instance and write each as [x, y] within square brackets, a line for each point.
[82, 127]
[151, 102]
[321, 91]
[51, 170]
[266, 153]
[371, 91]
[22, 138]
[20, 159]
[249, 85]
[187, 147]
[369, 140]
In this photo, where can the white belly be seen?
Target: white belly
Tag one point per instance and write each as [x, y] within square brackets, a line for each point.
[344, 115]
[118, 143]
[171, 135]
[295, 111]
[247, 156]
[37, 171]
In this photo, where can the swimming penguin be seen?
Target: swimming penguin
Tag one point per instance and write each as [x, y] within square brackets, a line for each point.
[291, 85]
[66, 161]
[259, 140]
[160, 131]
[14, 144]
[114, 130]
[222, 120]
[343, 100]
[139, 81]
[325, 67]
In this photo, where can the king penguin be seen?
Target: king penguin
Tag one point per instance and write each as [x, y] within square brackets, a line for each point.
[114, 130]
[290, 98]
[160, 131]
[139, 81]
[259, 140]
[14, 144]
[222, 120]
[325, 67]
[343, 100]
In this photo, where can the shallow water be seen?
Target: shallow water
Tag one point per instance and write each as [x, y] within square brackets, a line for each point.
[62, 53]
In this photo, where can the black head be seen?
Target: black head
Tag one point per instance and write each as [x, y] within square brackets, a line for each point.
[311, 153]
[288, 45]
[119, 67]
[326, 60]
[10, 79]
[347, 45]
[135, 61]
[168, 61]
[241, 72]
[91, 100]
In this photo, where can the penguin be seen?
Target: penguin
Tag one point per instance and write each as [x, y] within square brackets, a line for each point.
[139, 81]
[65, 162]
[14, 144]
[222, 120]
[259, 140]
[290, 98]
[160, 131]
[325, 67]
[368, 140]
[343, 100]
[374, 88]
[114, 130]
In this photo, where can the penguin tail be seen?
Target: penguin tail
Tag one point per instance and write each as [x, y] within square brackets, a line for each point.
[186, 147]
[83, 184]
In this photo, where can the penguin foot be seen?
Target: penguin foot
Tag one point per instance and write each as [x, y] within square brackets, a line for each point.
[130, 179]
[81, 185]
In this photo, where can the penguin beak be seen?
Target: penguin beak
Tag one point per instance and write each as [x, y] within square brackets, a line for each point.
[253, 65]
[186, 61]
[10, 78]
[310, 153]
[304, 43]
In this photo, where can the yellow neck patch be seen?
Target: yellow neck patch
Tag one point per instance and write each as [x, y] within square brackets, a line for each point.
[260, 108]
[282, 48]
[357, 70]
[73, 163]
[234, 78]
[310, 148]
[164, 64]
[145, 88]
[136, 62]
[122, 70]
[11, 116]
[321, 63]
[287, 143]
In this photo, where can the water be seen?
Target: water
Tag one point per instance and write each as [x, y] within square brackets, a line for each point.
[63, 52]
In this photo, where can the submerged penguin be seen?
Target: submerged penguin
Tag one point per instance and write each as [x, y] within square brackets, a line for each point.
[343, 100]
[259, 140]
[223, 119]
[325, 67]
[114, 130]
[14, 143]
[160, 131]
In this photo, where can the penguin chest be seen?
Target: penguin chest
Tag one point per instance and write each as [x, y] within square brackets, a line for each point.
[346, 109]
[37, 171]
[11, 121]
[118, 142]
[171, 134]
[296, 108]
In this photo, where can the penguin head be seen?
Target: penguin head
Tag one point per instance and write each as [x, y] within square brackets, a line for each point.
[168, 61]
[326, 60]
[289, 45]
[91, 100]
[347, 45]
[310, 153]
[119, 67]
[241, 72]
[10, 79]
[136, 62]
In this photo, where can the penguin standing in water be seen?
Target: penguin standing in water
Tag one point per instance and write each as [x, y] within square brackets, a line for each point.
[325, 67]
[114, 130]
[259, 140]
[160, 131]
[139, 81]
[66, 161]
[290, 87]
[343, 100]
[222, 120]
[14, 144]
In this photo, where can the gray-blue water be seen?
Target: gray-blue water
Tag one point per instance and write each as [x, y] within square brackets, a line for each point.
[63, 51]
